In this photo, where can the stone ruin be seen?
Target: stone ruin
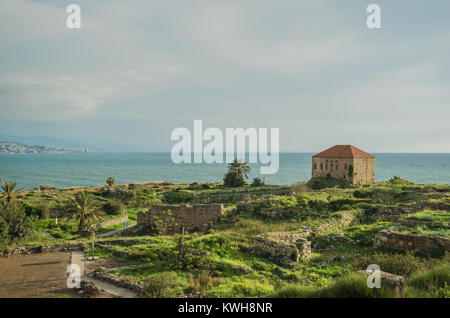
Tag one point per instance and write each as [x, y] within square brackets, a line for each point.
[191, 217]
[284, 248]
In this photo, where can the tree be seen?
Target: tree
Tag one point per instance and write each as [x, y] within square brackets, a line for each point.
[110, 181]
[84, 210]
[257, 182]
[9, 191]
[14, 223]
[237, 173]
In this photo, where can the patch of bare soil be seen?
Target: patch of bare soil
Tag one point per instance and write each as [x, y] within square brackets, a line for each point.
[37, 276]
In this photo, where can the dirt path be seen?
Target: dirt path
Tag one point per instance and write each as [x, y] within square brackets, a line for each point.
[35, 275]
[78, 258]
[114, 232]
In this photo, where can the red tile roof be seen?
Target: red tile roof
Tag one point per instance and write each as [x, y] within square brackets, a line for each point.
[343, 151]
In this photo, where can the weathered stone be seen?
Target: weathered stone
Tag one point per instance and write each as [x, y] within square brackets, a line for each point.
[393, 282]
[430, 244]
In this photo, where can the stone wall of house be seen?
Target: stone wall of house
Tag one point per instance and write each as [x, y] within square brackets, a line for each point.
[340, 168]
[430, 244]
[192, 217]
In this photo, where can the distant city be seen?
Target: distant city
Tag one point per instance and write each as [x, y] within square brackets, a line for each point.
[18, 148]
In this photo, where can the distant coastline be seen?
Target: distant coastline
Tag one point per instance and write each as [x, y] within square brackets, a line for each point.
[7, 148]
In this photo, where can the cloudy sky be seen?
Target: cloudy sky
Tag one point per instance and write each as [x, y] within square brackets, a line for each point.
[138, 69]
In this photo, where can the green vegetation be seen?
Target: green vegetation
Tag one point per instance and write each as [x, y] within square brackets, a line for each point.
[238, 171]
[220, 261]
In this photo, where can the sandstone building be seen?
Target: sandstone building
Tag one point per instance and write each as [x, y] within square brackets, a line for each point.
[344, 162]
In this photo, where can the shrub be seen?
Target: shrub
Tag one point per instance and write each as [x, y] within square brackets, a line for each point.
[113, 207]
[322, 183]
[299, 187]
[362, 193]
[41, 210]
[295, 291]
[202, 282]
[354, 286]
[19, 225]
[177, 197]
[399, 264]
[432, 279]
[257, 182]
[160, 285]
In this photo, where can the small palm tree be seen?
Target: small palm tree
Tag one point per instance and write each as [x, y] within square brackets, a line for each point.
[110, 181]
[9, 191]
[84, 210]
[238, 170]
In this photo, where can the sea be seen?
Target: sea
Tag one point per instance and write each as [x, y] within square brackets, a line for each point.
[92, 169]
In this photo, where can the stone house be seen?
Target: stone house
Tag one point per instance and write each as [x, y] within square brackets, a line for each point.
[344, 162]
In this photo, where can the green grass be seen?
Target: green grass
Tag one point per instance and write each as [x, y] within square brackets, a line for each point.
[442, 217]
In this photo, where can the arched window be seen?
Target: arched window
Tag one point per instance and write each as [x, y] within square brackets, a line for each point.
[321, 166]
[345, 166]
[337, 166]
[315, 166]
[326, 165]
[331, 165]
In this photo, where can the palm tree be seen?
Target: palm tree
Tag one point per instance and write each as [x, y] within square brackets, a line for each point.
[110, 181]
[83, 208]
[9, 191]
[238, 170]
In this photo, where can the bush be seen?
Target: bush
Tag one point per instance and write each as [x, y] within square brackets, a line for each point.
[160, 285]
[19, 225]
[41, 210]
[257, 182]
[299, 188]
[399, 264]
[432, 279]
[113, 207]
[177, 197]
[202, 282]
[322, 183]
[362, 193]
[295, 291]
[354, 286]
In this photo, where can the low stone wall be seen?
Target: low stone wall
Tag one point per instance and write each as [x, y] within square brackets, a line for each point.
[192, 217]
[111, 222]
[106, 276]
[414, 223]
[341, 220]
[429, 244]
[290, 237]
[25, 250]
[282, 252]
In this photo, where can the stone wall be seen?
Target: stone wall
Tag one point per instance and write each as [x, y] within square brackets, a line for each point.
[192, 217]
[429, 244]
[281, 212]
[282, 252]
[25, 250]
[341, 220]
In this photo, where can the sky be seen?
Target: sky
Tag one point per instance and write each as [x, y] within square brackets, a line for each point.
[136, 70]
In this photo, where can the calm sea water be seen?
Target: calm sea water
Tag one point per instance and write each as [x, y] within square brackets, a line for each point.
[87, 169]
